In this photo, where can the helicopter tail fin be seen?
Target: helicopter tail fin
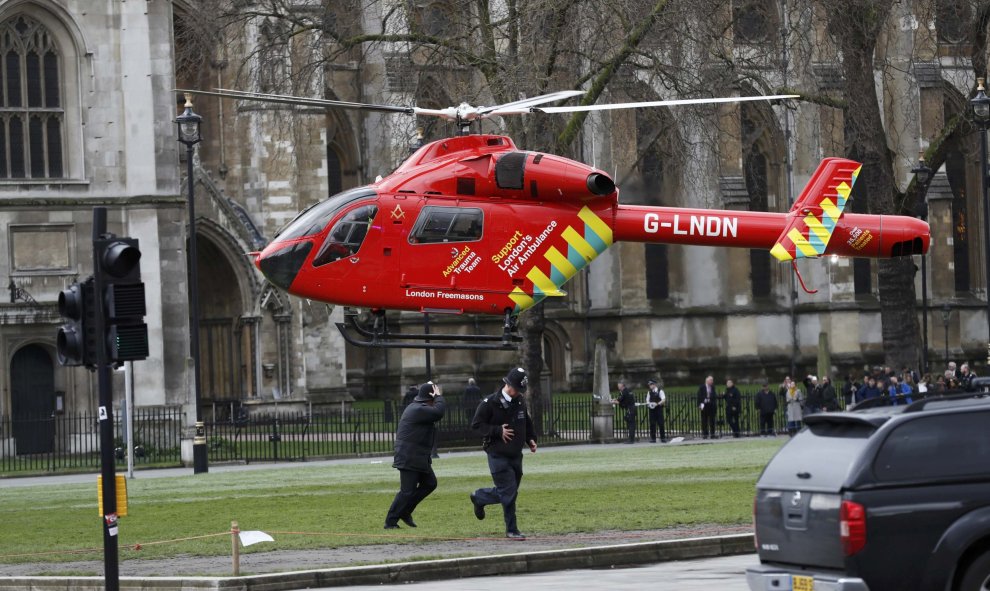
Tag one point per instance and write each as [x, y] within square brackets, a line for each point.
[813, 216]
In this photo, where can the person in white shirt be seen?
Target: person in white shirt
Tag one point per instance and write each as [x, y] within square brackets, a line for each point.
[656, 399]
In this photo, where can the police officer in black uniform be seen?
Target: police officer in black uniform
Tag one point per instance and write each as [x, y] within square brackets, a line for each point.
[733, 405]
[505, 426]
[627, 402]
[414, 441]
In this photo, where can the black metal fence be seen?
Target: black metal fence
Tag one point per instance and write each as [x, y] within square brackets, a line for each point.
[299, 436]
[72, 441]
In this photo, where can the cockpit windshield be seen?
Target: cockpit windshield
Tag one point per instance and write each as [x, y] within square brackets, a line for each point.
[316, 217]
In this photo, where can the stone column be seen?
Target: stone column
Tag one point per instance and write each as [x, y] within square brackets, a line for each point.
[940, 256]
[602, 415]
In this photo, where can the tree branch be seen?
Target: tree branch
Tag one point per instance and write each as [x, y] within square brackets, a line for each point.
[606, 73]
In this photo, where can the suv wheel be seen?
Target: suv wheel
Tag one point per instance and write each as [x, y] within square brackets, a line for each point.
[977, 575]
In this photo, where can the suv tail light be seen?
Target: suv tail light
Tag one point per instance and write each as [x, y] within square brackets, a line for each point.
[852, 527]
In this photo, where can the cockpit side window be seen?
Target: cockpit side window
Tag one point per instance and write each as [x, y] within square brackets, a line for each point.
[314, 219]
[346, 236]
[447, 224]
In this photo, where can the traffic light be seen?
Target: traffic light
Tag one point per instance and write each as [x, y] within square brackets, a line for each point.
[77, 340]
[119, 269]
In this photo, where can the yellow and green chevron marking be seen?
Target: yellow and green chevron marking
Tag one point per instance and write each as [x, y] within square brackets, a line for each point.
[818, 231]
[582, 248]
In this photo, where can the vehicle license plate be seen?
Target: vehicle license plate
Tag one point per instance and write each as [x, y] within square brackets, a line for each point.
[802, 583]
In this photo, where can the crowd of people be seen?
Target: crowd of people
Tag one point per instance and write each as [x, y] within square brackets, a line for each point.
[880, 385]
[905, 386]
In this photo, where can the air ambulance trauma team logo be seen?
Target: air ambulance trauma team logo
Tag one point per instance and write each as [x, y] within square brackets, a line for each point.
[561, 261]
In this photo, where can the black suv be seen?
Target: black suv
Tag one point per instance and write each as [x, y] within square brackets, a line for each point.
[886, 498]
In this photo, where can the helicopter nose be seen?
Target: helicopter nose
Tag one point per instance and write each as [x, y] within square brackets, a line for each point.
[282, 265]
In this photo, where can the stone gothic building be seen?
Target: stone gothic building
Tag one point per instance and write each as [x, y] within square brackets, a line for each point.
[87, 110]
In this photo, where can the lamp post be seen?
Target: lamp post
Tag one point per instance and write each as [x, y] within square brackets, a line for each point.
[923, 176]
[980, 110]
[189, 124]
[946, 316]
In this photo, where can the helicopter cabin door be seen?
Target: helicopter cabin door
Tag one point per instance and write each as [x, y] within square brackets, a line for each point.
[442, 253]
[346, 252]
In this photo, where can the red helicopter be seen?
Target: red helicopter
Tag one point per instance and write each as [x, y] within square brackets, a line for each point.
[473, 225]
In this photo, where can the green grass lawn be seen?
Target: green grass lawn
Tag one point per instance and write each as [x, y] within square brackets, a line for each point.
[308, 506]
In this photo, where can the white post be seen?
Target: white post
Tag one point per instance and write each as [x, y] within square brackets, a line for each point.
[129, 397]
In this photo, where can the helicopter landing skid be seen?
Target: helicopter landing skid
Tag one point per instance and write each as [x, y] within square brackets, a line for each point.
[380, 336]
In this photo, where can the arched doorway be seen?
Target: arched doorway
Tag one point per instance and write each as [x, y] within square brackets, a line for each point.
[225, 345]
[32, 399]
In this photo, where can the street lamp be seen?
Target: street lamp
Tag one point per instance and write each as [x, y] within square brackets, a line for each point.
[189, 124]
[923, 176]
[980, 109]
[946, 316]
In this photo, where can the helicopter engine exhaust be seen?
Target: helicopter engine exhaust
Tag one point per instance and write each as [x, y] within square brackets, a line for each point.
[600, 184]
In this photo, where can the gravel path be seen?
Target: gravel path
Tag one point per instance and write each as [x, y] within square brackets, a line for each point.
[294, 560]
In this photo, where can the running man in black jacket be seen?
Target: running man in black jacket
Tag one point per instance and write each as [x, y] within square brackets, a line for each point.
[504, 423]
[413, 446]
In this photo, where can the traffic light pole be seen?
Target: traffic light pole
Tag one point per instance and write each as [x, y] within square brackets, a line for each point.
[107, 466]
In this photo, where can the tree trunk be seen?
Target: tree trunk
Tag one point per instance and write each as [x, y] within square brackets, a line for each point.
[866, 141]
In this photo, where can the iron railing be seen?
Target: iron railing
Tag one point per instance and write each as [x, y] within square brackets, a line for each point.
[71, 441]
[682, 418]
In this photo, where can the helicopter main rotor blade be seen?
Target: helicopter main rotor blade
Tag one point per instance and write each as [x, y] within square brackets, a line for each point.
[522, 106]
[609, 107]
[302, 101]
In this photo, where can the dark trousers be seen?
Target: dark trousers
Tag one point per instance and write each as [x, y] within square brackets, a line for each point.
[631, 426]
[732, 417]
[708, 420]
[414, 486]
[766, 423]
[657, 423]
[507, 473]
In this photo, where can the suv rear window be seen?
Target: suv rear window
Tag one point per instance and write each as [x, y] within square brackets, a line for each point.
[819, 457]
[939, 446]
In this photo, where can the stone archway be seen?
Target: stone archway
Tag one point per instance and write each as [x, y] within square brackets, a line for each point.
[32, 399]
[556, 346]
[226, 334]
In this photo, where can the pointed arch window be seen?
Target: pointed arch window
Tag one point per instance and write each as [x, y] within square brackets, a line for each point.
[756, 186]
[31, 111]
[952, 18]
[862, 267]
[752, 20]
[272, 56]
[657, 256]
[963, 244]
[335, 174]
